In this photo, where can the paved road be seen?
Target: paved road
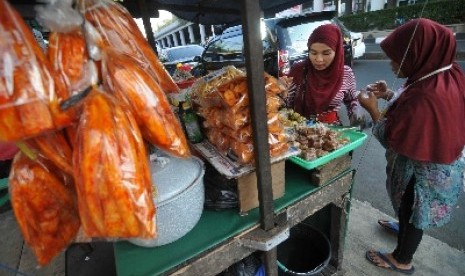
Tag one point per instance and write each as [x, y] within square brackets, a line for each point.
[370, 163]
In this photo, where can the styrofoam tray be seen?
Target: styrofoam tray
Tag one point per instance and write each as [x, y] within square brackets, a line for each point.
[356, 140]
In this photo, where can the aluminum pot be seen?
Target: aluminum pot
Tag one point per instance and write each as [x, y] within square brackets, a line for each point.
[180, 198]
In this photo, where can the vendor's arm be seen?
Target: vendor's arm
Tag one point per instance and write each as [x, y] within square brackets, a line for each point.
[370, 102]
[296, 74]
[350, 96]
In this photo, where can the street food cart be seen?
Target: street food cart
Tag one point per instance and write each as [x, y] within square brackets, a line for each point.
[222, 238]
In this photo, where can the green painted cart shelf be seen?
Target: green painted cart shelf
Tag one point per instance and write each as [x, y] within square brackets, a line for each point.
[217, 231]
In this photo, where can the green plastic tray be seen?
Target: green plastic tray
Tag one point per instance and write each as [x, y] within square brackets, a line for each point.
[356, 140]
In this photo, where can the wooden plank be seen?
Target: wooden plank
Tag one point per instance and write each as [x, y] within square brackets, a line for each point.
[337, 235]
[215, 261]
[247, 187]
[333, 193]
[325, 173]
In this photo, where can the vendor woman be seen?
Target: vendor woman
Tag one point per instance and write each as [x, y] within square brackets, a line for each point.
[322, 82]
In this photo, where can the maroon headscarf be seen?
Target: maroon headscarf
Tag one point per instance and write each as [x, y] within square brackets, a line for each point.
[323, 85]
[427, 122]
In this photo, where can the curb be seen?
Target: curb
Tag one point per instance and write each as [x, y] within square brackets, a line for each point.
[373, 56]
[381, 55]
[373, 40]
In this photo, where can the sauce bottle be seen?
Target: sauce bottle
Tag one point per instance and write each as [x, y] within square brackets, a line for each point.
[190, 122]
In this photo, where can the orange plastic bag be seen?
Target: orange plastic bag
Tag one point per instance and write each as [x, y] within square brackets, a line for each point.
[112, 173]
[44, 204]
[54, 147]
[67, 49]
[117, 29]
[67, 53]
[124, 77]
[29, 90]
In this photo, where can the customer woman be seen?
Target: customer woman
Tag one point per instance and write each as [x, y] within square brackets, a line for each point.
[322, 82]
[423, 133]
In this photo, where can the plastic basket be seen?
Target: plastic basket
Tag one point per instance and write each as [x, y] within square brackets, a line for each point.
[356, 140]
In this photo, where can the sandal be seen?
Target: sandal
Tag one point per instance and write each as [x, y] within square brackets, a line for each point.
[391, 226]
[390, 266]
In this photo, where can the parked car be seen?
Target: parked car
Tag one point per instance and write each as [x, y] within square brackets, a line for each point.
[228, 49]
[171, 57]
[284, 42]
[293, 32]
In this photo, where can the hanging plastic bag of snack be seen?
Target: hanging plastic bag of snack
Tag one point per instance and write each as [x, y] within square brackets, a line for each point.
[112, 173]
[30, 92]
[117, 29]
[54, 147]
[124, 77]
[44, 203]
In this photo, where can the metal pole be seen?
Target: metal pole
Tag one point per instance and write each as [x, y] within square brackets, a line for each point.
[255, 79]
[147, 24]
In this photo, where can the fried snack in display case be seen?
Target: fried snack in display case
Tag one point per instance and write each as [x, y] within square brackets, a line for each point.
[232, 117]
[126, 79]
[204, 90]
[112, 26]
[44, 204]
[221, 141]
[112, 173]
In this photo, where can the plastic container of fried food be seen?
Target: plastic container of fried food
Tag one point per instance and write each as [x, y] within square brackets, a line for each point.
[356, 139]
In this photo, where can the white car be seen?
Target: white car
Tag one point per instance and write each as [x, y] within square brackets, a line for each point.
[358, 45]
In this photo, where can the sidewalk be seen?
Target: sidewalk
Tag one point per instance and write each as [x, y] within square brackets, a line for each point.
[433, 258]
[375, 38]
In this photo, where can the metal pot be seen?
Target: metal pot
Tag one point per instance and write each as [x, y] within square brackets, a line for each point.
[180, 198]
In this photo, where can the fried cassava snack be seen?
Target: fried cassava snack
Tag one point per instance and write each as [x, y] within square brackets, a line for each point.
[134, 87]
[111, 169]
[67, 53]
[117, 29]
[30, 92]
[44, 204]
[54, 147]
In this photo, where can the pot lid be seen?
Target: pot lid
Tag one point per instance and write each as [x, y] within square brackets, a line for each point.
[171, 175]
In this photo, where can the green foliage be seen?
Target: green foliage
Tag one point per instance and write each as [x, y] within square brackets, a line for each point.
[445, 12]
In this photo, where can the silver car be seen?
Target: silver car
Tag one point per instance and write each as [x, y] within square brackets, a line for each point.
[171, 57]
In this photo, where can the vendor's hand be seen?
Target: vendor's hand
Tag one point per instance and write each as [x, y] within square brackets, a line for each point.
[387, 95]
[368, 100]
[379, 89]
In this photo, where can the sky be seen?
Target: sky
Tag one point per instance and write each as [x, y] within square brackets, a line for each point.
[164, 15]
